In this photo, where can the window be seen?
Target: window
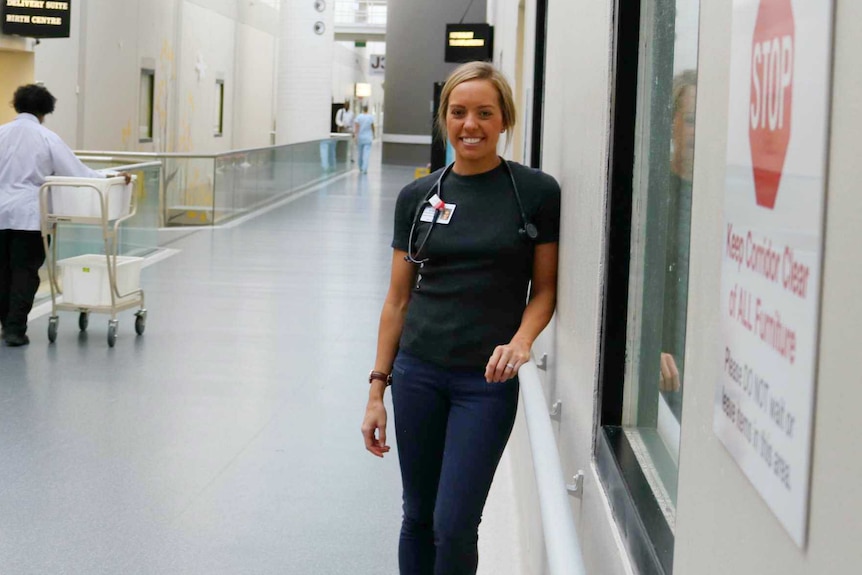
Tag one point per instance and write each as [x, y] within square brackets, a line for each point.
[643, 348]
[145, 105]
[218, 124]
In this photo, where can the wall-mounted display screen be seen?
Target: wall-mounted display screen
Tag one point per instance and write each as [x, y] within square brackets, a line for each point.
[469, 42]
[35, 18]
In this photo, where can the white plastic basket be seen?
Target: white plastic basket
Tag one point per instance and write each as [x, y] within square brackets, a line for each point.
[86, 282]
[77, 198]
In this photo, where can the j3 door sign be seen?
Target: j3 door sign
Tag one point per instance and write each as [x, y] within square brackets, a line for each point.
[377, 64]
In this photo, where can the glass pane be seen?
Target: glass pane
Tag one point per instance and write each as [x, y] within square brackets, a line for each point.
[661, 229]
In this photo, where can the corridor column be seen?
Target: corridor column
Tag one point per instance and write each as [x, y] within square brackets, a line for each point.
[305, 71]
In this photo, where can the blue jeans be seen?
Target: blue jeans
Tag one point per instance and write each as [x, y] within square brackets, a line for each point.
[451, 427]
[364, 152]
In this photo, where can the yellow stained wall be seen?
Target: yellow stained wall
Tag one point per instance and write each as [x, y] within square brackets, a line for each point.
[17, 69]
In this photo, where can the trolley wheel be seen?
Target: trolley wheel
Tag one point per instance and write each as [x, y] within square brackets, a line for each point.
[52, 328]
[112, 332]
[84, 320]
[140, 322]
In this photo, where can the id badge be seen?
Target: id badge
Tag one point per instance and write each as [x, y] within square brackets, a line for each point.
[445, 214]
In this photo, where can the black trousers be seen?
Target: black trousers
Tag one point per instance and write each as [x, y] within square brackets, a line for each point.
[21, 255]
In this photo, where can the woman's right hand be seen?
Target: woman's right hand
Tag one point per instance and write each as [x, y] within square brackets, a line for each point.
[375, 421]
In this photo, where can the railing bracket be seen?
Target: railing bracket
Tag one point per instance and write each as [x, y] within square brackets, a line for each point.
[543, 362]
[576, 487]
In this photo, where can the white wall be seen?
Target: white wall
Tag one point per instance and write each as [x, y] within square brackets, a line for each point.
[206, 55]
[512, 59]
[57, 68]
[96, 73]
[575, 145]
[305, 67]
[575, 150]
[254, 109]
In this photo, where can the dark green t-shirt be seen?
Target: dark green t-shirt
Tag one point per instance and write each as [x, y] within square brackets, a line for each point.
[473, 289]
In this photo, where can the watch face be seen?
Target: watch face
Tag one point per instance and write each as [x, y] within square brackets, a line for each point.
[320, 5]
[319, 27]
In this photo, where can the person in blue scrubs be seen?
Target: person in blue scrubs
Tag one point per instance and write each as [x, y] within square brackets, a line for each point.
[363, 132]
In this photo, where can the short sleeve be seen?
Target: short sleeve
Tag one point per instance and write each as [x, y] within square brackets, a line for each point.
[547, 220]
[404, 212]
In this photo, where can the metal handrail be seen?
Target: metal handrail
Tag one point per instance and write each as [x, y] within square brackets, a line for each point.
[170, 209]
[562, 544]
[180, 155]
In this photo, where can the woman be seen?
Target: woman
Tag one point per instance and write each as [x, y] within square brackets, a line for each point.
[473, 284]
[363, 131]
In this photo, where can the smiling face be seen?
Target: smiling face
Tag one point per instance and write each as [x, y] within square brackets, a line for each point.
[474, 122]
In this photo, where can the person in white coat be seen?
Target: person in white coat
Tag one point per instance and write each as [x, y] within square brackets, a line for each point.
[28, 153]
[344, 121]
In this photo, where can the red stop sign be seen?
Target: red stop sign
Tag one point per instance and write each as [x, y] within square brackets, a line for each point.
[770, 108]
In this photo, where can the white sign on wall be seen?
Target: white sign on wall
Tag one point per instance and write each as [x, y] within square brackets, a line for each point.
[774, 199]
[377, 64]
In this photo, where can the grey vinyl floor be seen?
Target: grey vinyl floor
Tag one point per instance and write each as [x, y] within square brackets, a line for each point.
[226, 438]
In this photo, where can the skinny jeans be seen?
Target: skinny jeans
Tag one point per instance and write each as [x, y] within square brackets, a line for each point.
[21, 255]
[451, 427]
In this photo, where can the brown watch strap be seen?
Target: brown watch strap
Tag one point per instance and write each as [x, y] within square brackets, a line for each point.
[380, 376]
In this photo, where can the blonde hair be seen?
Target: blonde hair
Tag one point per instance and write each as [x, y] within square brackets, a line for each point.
[478, 71]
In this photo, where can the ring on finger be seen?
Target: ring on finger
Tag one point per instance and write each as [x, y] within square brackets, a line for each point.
[510, 366]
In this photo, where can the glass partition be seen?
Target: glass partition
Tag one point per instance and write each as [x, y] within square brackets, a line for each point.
[247, 180]
[200, 190]
[189, 191]
[209, 189]
[138, 236]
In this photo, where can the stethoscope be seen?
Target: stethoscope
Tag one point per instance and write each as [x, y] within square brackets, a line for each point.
[434, 197]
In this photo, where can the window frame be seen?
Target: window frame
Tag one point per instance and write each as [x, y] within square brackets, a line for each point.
[150, 120]
[640, 54]
[218, 128]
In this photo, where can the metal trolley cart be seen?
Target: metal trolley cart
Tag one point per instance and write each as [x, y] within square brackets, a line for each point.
[101, 283]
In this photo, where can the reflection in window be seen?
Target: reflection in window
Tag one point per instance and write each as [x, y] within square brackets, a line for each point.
[677, 240]
[661, 230]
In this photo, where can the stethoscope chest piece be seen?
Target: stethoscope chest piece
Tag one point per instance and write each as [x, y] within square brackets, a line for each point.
[530, 231]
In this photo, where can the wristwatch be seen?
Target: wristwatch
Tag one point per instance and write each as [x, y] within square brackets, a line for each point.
[380, 376]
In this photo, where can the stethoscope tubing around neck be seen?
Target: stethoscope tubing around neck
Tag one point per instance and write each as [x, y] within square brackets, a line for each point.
[529, 229]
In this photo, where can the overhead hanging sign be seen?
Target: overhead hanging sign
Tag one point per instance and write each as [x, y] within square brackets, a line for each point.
[778, 118]
[469, 42]
[35, 18]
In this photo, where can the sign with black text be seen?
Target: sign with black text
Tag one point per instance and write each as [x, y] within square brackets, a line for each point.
[774, 201]
[469, 42]
[36, 18]
[377, 64]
